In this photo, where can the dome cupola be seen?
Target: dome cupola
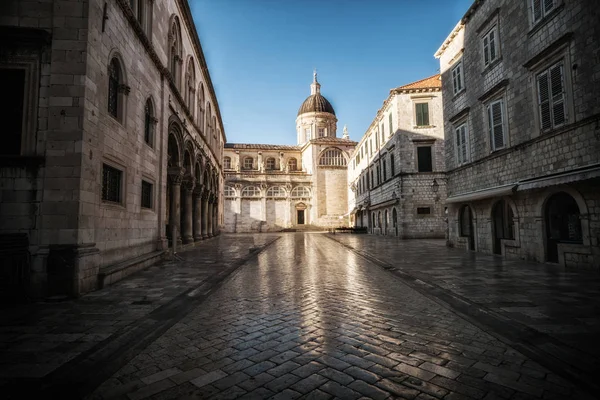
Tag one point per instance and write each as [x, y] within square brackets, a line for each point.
[316, 102]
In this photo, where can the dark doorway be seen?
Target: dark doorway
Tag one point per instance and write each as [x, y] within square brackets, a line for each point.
[395, 221]
[300, 215]
[562, 223]
[466, 226]
[12, 82]
[502, 224]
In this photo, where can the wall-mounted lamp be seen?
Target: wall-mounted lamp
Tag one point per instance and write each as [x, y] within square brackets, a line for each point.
[435, 185]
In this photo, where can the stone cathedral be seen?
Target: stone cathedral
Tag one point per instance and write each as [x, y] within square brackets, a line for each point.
[276, 187]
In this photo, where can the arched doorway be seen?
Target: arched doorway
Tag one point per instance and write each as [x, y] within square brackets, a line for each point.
[385, 222]
[502, 224]
[395, 221]
[466, 226]
[563, 225]
[379, 222]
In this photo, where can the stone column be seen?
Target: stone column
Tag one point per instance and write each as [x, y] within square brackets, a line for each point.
[215, 216]
[209, 211]
[187, 233]
[176, 175]
[197, 214]
[204, 218]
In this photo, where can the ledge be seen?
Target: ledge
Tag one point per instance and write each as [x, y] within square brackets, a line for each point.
[22, 161]
[115, 272]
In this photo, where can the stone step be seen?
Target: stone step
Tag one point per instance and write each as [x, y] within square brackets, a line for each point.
[113, 273]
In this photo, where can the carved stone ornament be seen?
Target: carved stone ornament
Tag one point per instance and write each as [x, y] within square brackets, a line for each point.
[124, 89]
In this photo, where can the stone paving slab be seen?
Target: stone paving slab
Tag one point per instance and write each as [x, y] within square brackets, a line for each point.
[308, 318]
[551, 311]
[41, 343]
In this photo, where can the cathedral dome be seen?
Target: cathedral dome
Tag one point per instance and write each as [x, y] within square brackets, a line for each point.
[316, 103]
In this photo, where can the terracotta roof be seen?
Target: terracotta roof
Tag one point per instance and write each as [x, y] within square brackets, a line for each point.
[328, 139]
[433, 82]
[241, 146]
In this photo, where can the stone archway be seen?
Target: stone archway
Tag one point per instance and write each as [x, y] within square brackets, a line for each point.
[465, 219]
[563, 224]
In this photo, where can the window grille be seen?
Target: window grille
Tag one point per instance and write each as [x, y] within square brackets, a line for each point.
[276, 191]
[251, 191]
[300, 192]
[111, 184]
[332, 157]
[146, 194]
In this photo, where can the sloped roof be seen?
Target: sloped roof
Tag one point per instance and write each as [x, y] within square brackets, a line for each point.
[433, 82]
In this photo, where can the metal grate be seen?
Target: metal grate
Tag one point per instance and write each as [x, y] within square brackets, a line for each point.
[111, 184]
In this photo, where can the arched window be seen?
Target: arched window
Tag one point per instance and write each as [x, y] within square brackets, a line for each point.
[227, 163]
[149, 122]
[248, 163]
[229, 191]
[379, 219]
[190, 89]
[300, 192]
[201, 106]
[466, 221]
[332, 157]
[175, 50]
[292, 164]
[251, 191]
[270, 164]
[207, 127]
[115, 89]
[276, 191]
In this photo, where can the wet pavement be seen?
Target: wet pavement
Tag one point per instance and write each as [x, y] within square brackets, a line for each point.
[72, 346]
[311, 318]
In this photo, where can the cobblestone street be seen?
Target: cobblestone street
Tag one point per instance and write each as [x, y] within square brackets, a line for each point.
[310, 318]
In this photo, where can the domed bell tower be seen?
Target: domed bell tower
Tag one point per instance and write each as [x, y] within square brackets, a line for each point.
[316, 116]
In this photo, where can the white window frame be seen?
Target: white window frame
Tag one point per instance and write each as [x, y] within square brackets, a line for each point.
[489, 109]
[251, 167]
[251, 191]
[545, 8]
[464, 142]
[458, 78]
[229, 191]
[490, 36]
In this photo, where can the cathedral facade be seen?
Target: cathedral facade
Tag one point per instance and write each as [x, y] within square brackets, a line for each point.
[278, 187]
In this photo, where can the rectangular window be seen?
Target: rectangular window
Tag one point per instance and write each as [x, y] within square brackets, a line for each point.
[146, 194]
[321, 132]
[552, 96]
[391, 124]
[422, 110]
[462, 145]
[382, 133]
[378, 175]
[457, 77]
[112, 179]
[376, 141]
[496, 127]
[423, 210]
[307, 134]
[392, 166]
[384, 170]
[424, 161]
[490, 46]
[541, 8]
[12, 82]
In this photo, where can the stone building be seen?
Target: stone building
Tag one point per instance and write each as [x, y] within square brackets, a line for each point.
[521, 84]
[397, 170]
[276, 187]
[113, 140]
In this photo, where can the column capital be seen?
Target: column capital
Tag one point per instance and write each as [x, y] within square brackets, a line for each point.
[198, 189]
[176, 174]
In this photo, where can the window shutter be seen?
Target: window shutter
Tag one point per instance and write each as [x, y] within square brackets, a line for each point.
[492, 45]
[544, 101]
[459, 156]
[548, 5]
[496, 125]
[391, 124]
[464, 143]
[486, 48]
[536, 10]
[558, 96]
[425, 112]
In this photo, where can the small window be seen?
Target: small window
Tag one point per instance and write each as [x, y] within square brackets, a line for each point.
[496, 128]
[270, 165]
[307, 134]
[321, 132]
[462, 144]
[392, 165]
[13, 83]
[424, 161]
[384, 170]
[146, 194]
[149, 122]
[332, 157]
[423, 210]
[552, 97]
[541, 8]
[292, 164]
[251, 191]
[227, 163]
[422, 110]
[248, 163]
[390, 120]
[114, 81]
[229, 191]
[112, 179]
[378, 174]
[490, 46]
[457, 77]
[382, 134]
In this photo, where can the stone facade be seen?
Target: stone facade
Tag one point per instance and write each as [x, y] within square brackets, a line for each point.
[277, 187]
[522, 125]
[397, 169]
[119, 112]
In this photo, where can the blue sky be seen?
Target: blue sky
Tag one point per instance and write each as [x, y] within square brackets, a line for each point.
[261, 54]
